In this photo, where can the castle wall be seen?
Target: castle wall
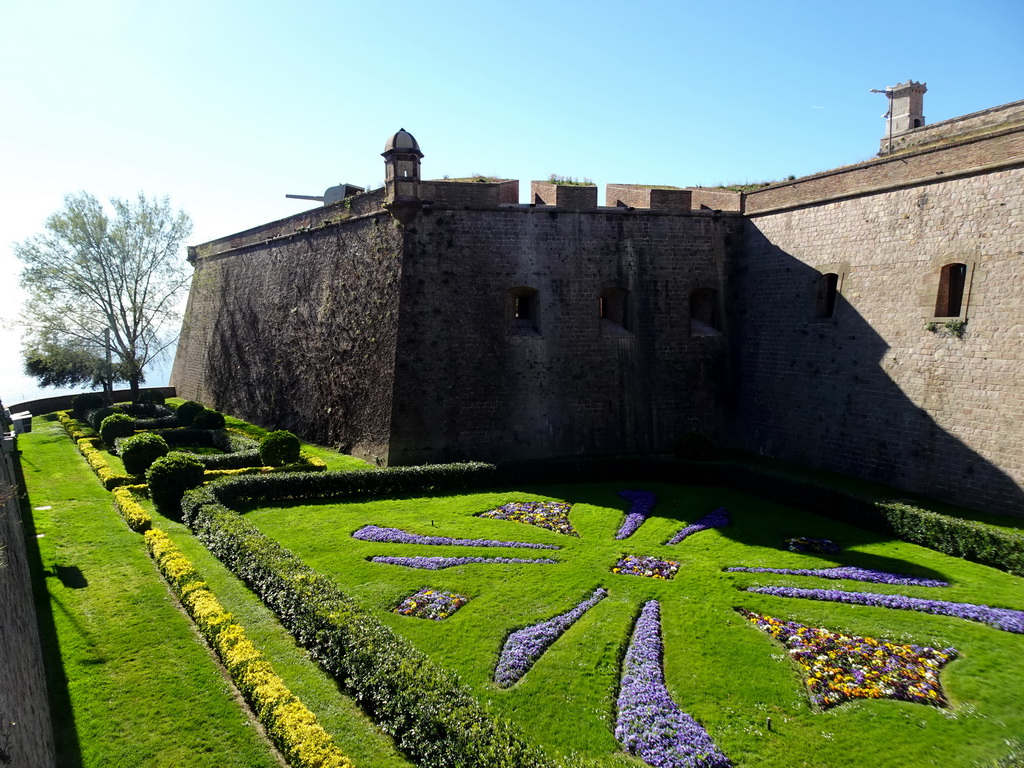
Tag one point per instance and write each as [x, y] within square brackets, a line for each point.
[871, 392]
[295, 328]
[472, 382]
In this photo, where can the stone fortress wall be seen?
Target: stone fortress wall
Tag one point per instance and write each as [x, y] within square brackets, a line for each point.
[472, 328]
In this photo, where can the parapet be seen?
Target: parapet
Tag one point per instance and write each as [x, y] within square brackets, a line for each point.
[643, 196]
[563, 195]
[477, 191]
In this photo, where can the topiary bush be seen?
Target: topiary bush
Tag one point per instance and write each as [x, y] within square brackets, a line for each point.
[695, 446]
[279, 448]
[208, 419]
[187, 411]
[97, 417]
[82, 404]
[140, 451]
[114, 426]
[168, 479]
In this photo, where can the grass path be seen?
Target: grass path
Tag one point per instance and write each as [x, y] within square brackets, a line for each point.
[131, 682]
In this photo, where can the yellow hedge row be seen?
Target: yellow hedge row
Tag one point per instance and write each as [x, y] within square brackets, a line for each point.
[293, 728]
[134, 514]
[87, 447]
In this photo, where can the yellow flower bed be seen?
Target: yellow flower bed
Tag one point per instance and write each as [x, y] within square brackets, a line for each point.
[294, 729]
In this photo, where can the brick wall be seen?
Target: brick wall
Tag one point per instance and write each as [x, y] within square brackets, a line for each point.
[298, 332]
[563, 195]
[715, 199]
[640, 196]
[471, 383]
[871, 392]
[479, 193]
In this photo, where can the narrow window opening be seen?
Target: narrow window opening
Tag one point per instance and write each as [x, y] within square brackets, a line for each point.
[949, 300]
[525, 312]
[825, 302]
[612, 310]
[917, 122]
[704, 316]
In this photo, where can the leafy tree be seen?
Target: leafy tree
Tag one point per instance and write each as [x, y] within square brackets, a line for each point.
[103, 292]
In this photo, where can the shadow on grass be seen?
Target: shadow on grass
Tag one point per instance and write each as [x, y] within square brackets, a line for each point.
[65, 734]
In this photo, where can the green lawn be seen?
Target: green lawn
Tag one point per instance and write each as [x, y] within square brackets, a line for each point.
[721, 670]
[131, 683]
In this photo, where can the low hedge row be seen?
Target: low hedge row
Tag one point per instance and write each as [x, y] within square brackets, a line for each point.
[98, 463]
[290, 724]
[127, 505]
[395, 481]
[431, 715]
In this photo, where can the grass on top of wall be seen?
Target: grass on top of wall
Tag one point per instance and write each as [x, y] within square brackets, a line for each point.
[721, 670]
[130, 683]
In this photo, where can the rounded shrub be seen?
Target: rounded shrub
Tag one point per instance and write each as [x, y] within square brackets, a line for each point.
[116, 425]
[82, 404]
[168, 479]
[279, 448]
[208, 419]
[140, 451]
[187, 411]
[695, 446]
[97, 418]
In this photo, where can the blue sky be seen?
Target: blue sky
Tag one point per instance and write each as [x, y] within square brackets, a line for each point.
[225, 105]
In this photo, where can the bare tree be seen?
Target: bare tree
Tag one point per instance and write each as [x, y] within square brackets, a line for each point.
[103, 292]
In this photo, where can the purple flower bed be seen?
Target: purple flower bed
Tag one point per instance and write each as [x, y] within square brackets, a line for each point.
[552, 515]
[804, 544]
[646, 565]
[850, 572]
[719, 518]
[437, 563]
[398, 536]
[1001, 618]
[431, 604]
[649, 724]
[523, 647]
[641, 504]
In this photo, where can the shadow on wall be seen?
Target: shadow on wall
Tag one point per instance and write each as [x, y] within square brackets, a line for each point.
[813, 390]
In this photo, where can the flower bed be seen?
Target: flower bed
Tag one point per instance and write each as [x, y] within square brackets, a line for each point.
[646, 565]
[523, 647]
[437, 563]
[804, 544]
[641, 505]
[552, 515]
[431, 604]
[398, 536]
[718, 518]
[841, 667]
[648, 723]
[1006, 619]
[850, 572]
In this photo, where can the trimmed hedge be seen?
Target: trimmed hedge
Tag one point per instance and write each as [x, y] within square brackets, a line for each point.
[96, 417]
[138, 452]
[115, 426]
[431, 715]
[127, 505]
[395, 481]
[208, 419]
[279, 448]
[169, 477]
[187, 411]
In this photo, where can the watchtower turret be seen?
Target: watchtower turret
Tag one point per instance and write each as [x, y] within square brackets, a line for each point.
[906, 111]
[402, 167]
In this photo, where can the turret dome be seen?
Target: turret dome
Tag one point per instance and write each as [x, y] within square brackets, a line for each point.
[403, 141]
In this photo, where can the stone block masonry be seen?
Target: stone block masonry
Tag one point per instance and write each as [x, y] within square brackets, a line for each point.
[872, 392]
